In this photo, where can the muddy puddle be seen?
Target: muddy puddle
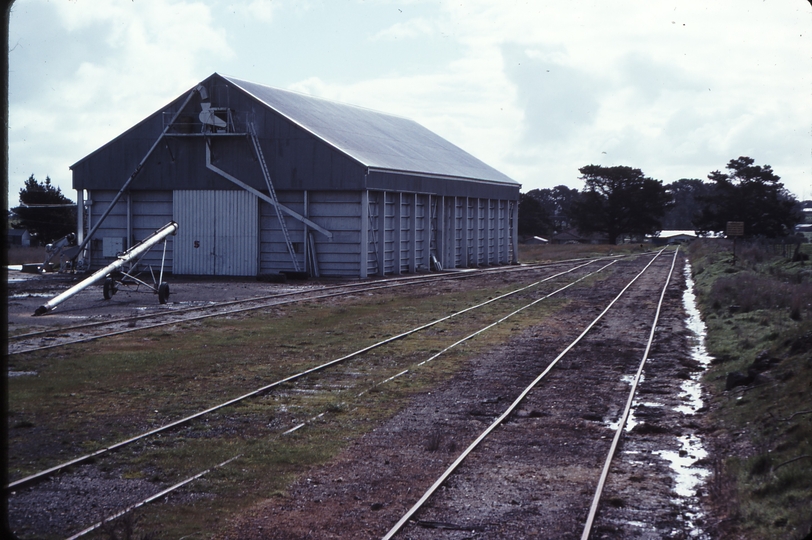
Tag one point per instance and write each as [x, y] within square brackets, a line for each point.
[688, 475]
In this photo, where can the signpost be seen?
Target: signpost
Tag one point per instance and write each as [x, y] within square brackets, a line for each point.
[734, 229]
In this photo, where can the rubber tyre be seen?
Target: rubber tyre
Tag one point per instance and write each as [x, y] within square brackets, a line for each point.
[163, 292]
[109, 288]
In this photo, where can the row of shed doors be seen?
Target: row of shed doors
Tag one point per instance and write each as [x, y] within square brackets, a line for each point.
[218, 235]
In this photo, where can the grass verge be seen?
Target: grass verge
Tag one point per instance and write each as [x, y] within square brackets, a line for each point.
[758, 312]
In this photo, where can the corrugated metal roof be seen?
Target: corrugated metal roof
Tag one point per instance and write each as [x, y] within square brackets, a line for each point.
[377, 140]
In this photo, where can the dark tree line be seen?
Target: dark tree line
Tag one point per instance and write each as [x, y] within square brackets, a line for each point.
[686, 196]
[751, 194]
[44, 211]
[547, 210]
[619, 202]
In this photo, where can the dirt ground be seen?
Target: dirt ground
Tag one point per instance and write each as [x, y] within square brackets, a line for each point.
[27, 292]
[535, 477]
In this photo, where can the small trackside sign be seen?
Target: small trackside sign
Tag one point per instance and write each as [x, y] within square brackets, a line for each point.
[735, 228]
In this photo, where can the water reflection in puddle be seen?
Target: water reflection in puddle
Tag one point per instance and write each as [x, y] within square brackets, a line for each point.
[691, 391]
[21, 373]
[632, 421]
[689, 476]
[682, 462]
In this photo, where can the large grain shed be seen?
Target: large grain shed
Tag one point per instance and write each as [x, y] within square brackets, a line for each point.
[262, 180]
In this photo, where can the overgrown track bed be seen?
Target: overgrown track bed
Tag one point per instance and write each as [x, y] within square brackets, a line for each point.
[346, 380]
[461, 508]
[338, 405]
[174, 313]
[536, 476]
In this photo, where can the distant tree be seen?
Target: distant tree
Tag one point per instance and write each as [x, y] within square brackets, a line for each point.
[563, 198]
[44, 211]
[556, 204]
[534, 218]
[686, 207]
[752, 194]
[619, 201]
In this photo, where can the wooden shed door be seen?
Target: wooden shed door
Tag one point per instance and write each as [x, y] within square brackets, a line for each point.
[217, 233]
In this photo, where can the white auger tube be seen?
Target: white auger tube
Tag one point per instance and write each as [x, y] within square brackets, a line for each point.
[122, 259]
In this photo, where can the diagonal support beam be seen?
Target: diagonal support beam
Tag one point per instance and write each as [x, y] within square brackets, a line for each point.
[133, 175]
[262, 196]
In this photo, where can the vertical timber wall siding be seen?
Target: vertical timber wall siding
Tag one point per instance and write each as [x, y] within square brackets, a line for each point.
[373, 250]
[337, 211]
[374, 233]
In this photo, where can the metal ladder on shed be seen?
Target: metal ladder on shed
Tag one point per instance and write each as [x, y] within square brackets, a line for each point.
[255, 140]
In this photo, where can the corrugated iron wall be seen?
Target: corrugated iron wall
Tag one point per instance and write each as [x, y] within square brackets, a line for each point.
[406, 229]
[218, 233]
[135, 216]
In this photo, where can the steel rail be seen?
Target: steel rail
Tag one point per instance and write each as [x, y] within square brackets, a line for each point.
[392, 283]
[448, 276]
[63, 329]
[495, 323]
[593, 509]
[87, 339]
[36, 477]
[397, 527]
[316, 417]
[151, 498]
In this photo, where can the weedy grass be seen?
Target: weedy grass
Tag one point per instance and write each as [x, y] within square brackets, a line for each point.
[89, 395]
[539, 253]
[758, 312]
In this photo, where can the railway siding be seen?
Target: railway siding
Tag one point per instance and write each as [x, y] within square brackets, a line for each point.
[535, 478]
[444, 404]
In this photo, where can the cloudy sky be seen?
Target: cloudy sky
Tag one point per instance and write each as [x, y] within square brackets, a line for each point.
[535, 88]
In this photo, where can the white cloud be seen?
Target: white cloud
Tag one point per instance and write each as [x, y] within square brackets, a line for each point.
[262, 10]
[674, 89]
[410, 29]
[542, 90]
[632, 80]
[144, 54]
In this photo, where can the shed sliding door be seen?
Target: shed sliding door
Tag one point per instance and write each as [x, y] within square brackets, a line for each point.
[218, 233]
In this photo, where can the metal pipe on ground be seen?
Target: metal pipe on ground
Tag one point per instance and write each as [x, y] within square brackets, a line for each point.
[125, 257]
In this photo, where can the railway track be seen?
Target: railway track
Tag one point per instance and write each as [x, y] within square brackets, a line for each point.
[36, 477]
[316, 380]
[50, 338]
[535, 474]
[19, 484]
[503, 443]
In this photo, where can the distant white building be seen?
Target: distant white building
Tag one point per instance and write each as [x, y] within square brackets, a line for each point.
[805, 230]
[673, 237]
